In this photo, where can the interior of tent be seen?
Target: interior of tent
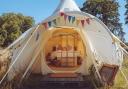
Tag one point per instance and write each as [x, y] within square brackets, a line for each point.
[64, 50]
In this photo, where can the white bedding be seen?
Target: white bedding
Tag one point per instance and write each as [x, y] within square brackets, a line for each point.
[65, 54]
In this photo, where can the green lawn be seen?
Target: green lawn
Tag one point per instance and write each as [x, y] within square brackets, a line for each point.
[120, 82]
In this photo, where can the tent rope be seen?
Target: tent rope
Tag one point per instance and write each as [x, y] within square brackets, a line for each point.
[95, 65]
[18, 56]
[124, 76]
[124, 50]
[121, 70]
[93, 83]
[30, 65]
[105, 83]
[119, 40]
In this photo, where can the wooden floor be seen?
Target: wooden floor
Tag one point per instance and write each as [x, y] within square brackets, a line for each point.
[47, 82]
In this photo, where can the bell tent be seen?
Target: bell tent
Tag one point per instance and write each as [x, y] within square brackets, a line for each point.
[69, 41]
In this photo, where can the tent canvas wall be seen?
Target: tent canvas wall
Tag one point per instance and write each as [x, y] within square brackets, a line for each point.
[99, 45]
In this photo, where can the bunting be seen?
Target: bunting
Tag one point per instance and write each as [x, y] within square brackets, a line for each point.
[54, 21]
[49, 24]
[45, 25]
[78, 22]
[70, 19]
[62, 14]
[65, 17]
[88, 20]
[73, 19]
[83, 22]
[58, 19]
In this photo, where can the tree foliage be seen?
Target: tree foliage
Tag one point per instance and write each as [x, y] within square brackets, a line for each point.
[107, 11]
[12, 25]
[126, 13]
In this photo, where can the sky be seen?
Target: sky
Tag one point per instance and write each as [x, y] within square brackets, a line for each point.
[41, 9]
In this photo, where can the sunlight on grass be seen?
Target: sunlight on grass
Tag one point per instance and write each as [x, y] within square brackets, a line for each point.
[120, 82]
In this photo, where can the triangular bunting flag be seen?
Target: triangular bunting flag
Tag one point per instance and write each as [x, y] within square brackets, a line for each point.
[88, 20]
[45, 25]
[61, 13]
[77, 22]
[54, 21]
[69, 18]
[65, 17]
[83, 22]
[58, 19]
[73, 19]
[50, 24]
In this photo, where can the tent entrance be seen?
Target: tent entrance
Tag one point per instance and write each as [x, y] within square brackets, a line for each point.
[64, 51]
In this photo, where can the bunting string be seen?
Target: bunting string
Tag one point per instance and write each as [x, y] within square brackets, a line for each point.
[67, 18]
[83, 22]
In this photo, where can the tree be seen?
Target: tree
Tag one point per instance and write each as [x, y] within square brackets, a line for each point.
[107, 11]
[12, 26]
[126, 13]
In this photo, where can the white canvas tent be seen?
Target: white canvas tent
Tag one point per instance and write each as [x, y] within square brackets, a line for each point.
[100, 47]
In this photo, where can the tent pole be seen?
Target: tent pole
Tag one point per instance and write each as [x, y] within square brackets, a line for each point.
[18, 56]
[94, 55]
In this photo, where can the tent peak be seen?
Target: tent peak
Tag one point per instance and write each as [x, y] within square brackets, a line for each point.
[67, 6]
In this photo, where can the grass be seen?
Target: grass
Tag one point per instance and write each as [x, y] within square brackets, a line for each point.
[120, 82]
[4, 62]
[5, 85]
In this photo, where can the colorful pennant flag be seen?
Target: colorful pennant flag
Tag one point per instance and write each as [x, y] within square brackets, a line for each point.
[83, 22]
[65, 17]
[73, 19]
[50, 24]
[61, 13]
[54, 21]
[77, 22]
[69, 18]
[88, 20]
[45, 25]
[58, 19]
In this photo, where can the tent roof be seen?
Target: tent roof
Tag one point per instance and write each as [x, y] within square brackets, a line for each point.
[67, 6]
